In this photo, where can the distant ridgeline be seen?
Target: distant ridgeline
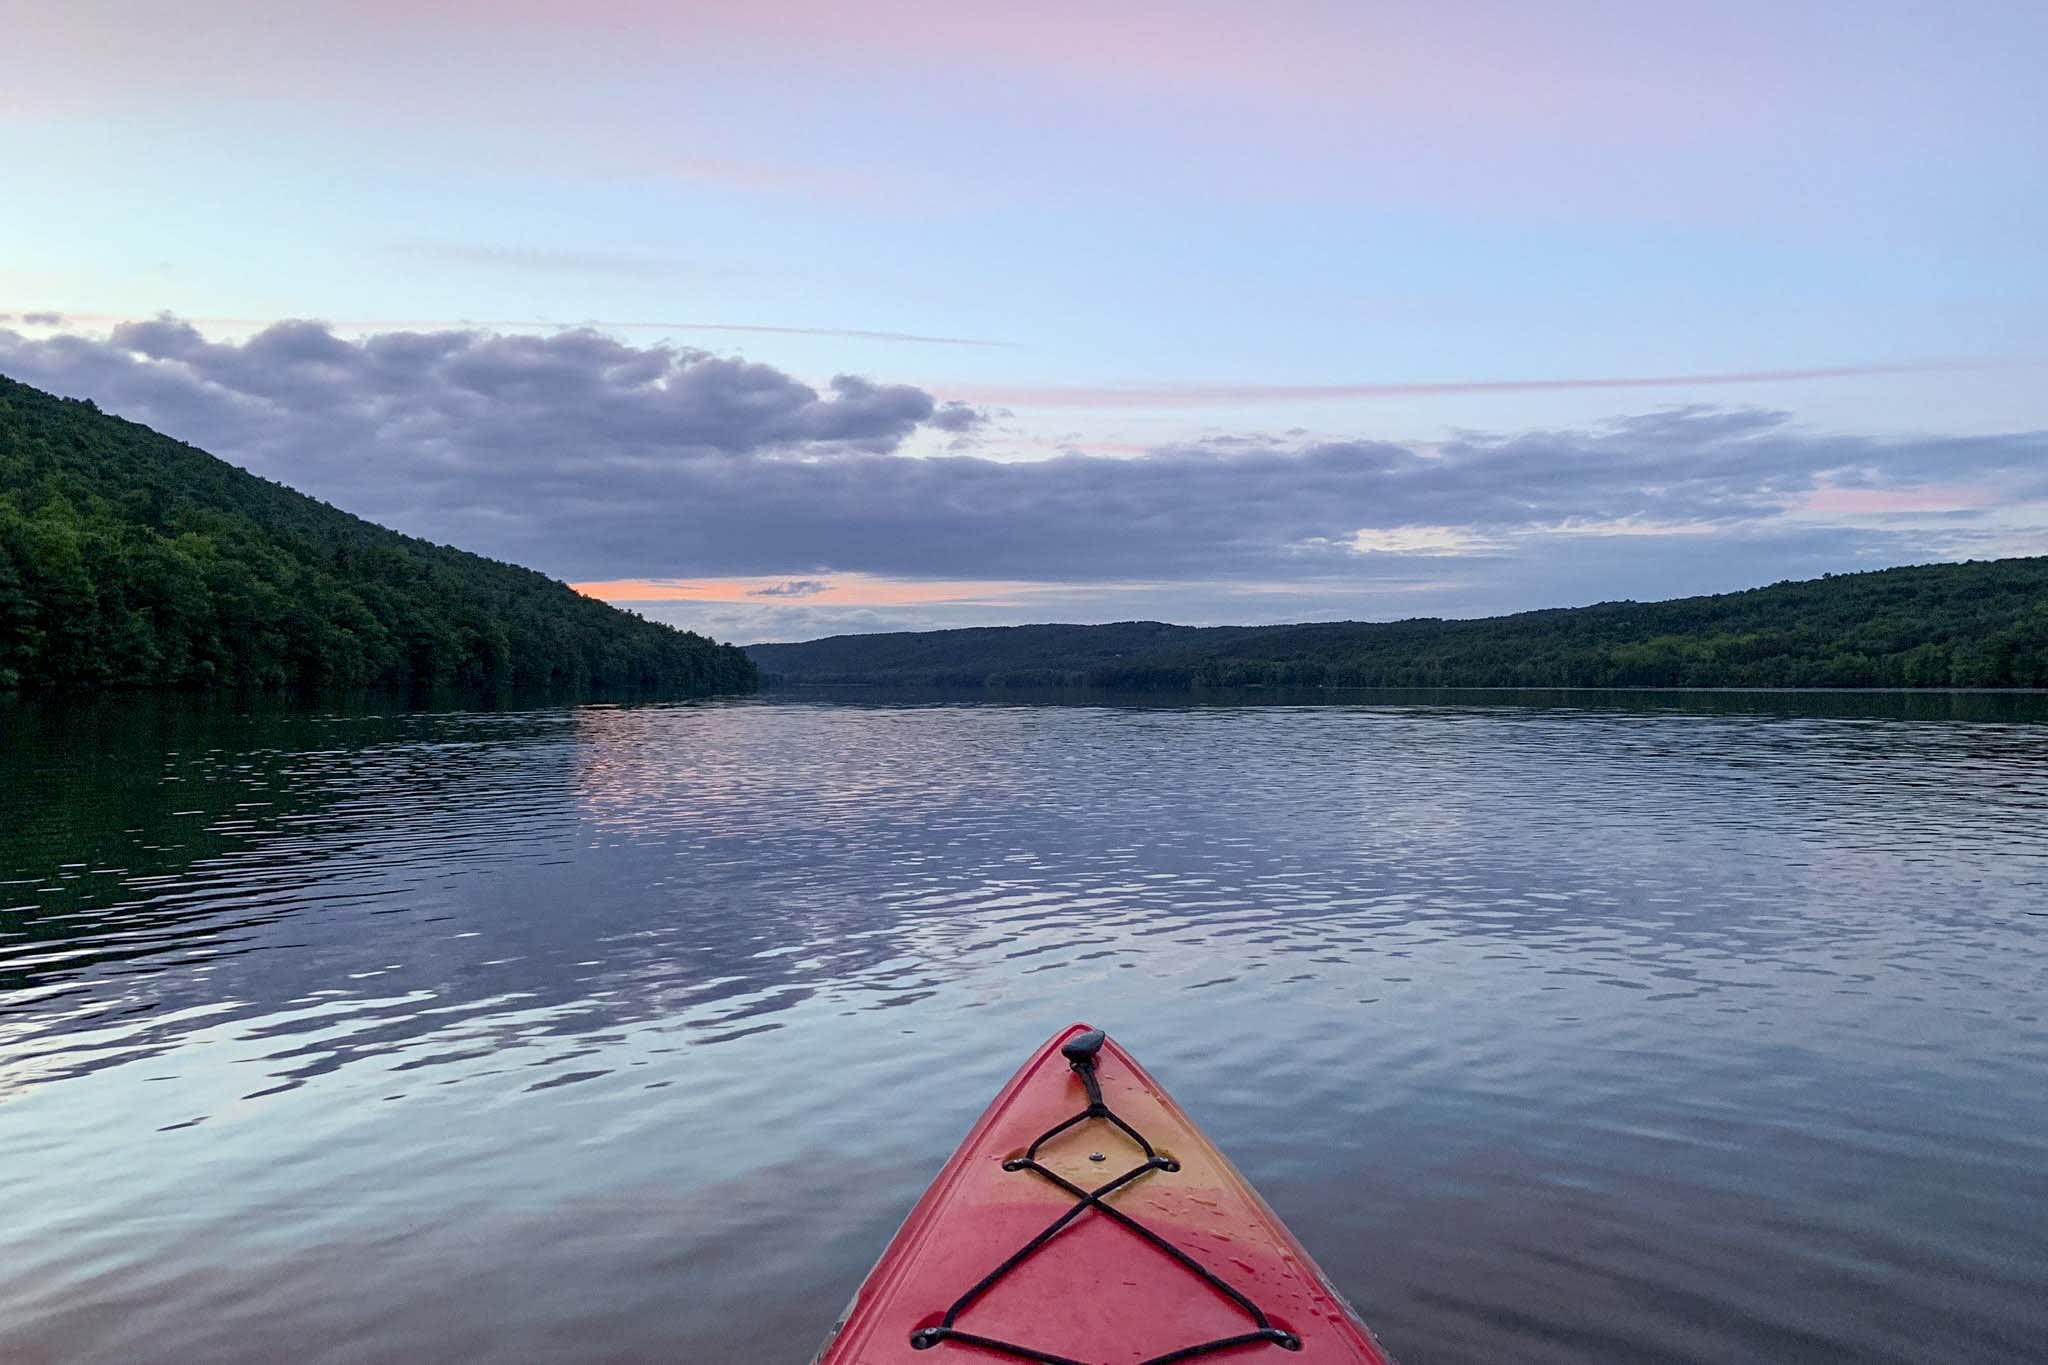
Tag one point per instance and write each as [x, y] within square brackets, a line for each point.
[128, 559]
[1980, 624]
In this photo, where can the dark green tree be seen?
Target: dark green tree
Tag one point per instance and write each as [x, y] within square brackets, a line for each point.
[131, 560]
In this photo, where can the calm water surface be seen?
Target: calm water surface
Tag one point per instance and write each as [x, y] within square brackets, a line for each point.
[1590, 1029]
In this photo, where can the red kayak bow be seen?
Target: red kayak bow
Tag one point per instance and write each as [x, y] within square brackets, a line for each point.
[1087, 1221]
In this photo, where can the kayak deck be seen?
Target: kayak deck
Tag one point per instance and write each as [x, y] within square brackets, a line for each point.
[1085, 1220]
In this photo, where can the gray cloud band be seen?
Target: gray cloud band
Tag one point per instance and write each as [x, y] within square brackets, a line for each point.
[592, 458]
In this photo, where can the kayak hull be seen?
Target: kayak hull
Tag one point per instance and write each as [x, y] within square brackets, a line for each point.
[1086, 1219]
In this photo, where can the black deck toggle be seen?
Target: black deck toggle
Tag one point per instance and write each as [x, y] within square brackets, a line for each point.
[1080, 1049]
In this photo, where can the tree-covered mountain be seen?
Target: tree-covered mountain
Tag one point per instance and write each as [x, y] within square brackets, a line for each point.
[1978, 624]
[128, 559]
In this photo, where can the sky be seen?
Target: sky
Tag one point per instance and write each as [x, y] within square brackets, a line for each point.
[778, 320]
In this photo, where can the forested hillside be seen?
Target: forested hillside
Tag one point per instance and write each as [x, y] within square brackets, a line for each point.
[1979, 624]
[128, 559]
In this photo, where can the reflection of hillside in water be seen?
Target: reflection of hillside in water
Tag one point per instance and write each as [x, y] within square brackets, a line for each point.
[223, 864]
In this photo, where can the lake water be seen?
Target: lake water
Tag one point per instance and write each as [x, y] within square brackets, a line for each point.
[1569, 1028]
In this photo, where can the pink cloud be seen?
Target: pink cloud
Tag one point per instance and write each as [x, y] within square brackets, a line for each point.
[1636, 113]
[1492, 69]
[1474, 75]
[1829, 500]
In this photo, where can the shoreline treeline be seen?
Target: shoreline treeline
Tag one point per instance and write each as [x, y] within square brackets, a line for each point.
[1976, 624]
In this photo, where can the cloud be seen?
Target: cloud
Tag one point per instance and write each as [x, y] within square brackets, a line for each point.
[959, 417]
[467, 412]
[596, 459]
[1420, 540]
[1830, 499]
[358, 325]
[1240, 395]
[795, 587]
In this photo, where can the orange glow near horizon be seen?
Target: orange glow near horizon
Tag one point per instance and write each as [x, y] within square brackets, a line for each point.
[871, 590]
[837, 590]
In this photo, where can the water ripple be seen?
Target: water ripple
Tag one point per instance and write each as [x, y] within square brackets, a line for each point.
[1663, 1030]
